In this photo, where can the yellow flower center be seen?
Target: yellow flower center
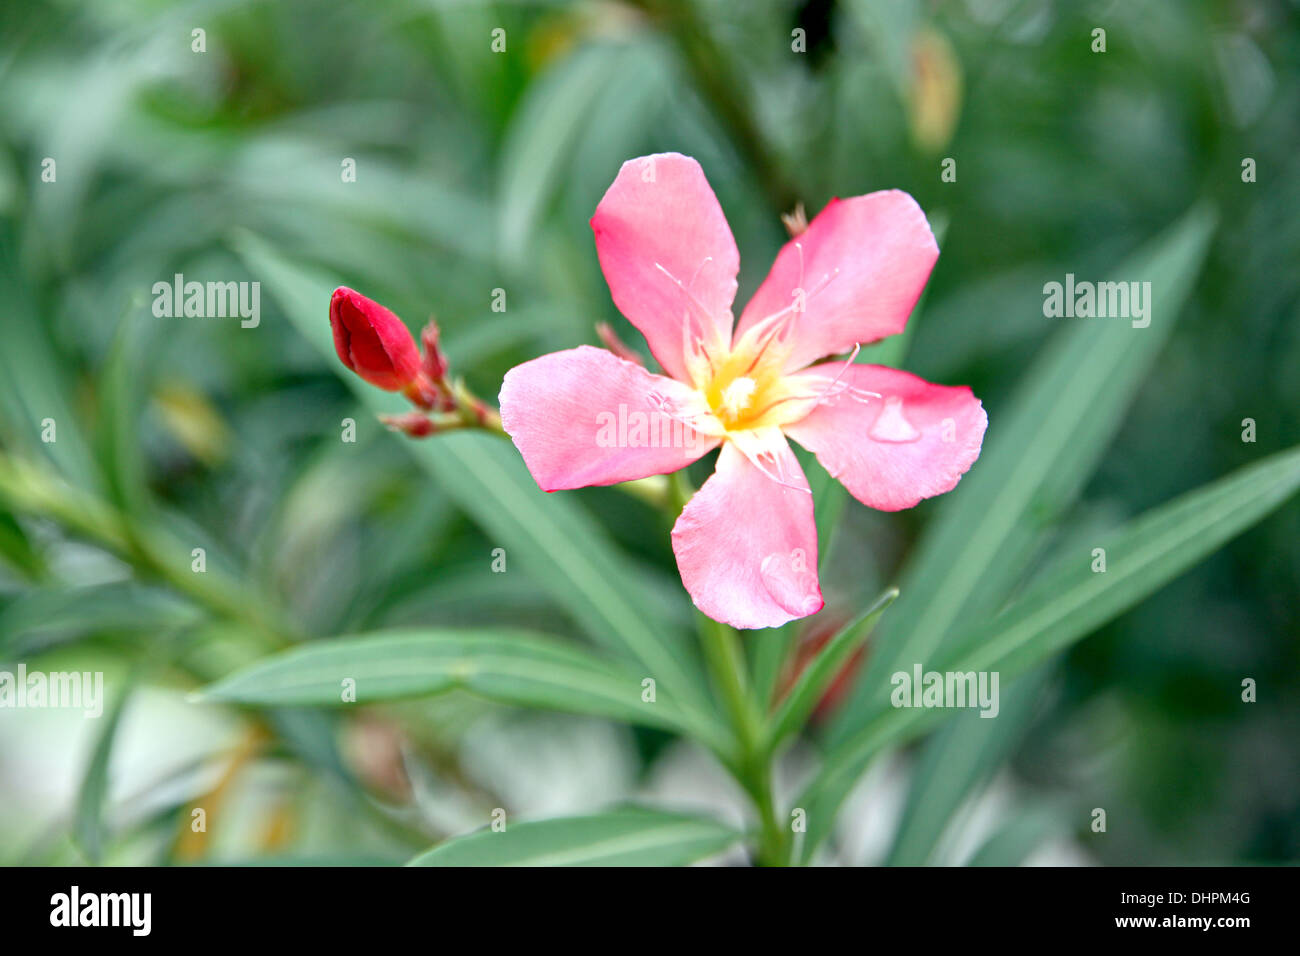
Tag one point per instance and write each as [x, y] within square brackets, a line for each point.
[745, 389]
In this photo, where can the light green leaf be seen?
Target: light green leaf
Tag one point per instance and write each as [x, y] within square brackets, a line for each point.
[88, 826]
[630, 837]
[767, 650]
[1066, 604]
[512, 667]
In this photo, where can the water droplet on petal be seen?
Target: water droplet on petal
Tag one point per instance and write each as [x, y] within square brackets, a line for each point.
[891, 425]
[791, 583]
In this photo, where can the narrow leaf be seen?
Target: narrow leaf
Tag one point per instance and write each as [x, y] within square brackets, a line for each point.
[1065, 605]
[631, 837]
[511, 667]
[1016, 839]
[88, 826]
[821, 671]
[955, 763]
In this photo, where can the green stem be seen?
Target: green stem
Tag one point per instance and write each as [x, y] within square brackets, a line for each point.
[725, 659]
[726, 662]
[711, 67]
[772, 850]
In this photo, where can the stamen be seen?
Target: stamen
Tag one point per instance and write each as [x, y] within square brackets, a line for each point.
[758, 463]
[698, 270]
[833, 390]
[695, 332]
[857, 347]
[686, 291]
[665, 406]
[778, 320]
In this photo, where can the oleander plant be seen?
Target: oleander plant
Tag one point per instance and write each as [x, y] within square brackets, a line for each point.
[649, 433]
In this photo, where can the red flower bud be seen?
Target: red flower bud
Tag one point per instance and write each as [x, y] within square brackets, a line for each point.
[413, 424]
[373, 342]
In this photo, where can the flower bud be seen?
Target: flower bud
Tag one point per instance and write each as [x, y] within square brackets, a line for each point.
[373, 342]
[413, 424]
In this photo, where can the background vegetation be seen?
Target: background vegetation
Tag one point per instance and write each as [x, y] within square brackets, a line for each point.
[477, 171]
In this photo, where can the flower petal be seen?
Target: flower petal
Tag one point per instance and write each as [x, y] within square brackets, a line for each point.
[668, 255]
[586, 417]
[890, 437]
[852, 277]
[746, 544]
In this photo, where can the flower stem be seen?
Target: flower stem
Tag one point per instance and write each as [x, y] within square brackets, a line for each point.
[724, 89]
[725, 659]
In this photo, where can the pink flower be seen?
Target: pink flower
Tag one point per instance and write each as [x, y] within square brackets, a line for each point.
[746, 543]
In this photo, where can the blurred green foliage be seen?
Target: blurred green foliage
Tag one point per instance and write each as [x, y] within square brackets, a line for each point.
[477, 171]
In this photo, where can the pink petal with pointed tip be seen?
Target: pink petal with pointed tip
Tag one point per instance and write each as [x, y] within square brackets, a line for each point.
[746, 545]
[914, 441]
[563, 412]
[667, 254]
[860, 266]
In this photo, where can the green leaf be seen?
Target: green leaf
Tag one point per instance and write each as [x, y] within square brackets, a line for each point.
[122, 386]
[818, 675]
[954, 764]
[35, 384]
[550, 536]
[1017, 838]
[18, 551]
[1067, 603]
[511, 667]
[543, 132]
[1037, 455]
[629, 837]
[41, 616]
[88, 826]
[1071, 601]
